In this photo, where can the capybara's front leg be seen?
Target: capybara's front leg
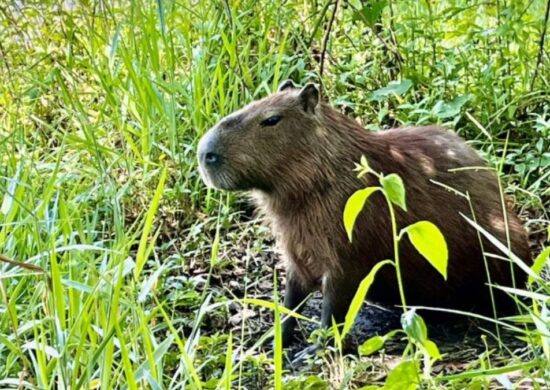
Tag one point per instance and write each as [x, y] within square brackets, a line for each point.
[338, 292]
[295, 294]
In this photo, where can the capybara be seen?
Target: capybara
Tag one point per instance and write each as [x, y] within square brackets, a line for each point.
[296, 155]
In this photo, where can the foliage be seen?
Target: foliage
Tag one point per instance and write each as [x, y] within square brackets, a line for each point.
[429, 241]
[135, 271]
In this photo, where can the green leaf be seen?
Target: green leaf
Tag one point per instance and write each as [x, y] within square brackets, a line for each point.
[538, 264]
[278, 342]
[393, 88]
[403, 377]
[308, 383]
[370, 13]
[429, 241]
[226, 378]
[432, 349]
[414, 326]
[336, 334]
[394, 189]
[148, 284]
[371, 345]
[144, 244]
[503, 248]
[274, 306]
[360, 295]
[447, 110]
[354, 205]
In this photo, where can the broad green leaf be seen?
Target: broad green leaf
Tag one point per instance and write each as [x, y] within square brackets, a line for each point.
[403, 377]
[394, 189]
[429, 241]
[360, 296]
[432, 349]
[393, 88]
[370, 14]
[354, 205]
[538, 264]
[414, 326]
[448, 110]
[371, 345]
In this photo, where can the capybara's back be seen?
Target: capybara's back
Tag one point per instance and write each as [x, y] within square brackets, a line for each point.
[446, 182]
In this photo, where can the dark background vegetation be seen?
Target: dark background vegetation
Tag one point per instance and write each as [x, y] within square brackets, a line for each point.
[102, 104]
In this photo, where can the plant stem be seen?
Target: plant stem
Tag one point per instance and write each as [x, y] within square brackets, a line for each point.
[325, 40]
[396, 253]
[541, 44]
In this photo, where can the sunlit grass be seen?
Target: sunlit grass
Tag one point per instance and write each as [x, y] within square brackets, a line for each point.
[101, 108]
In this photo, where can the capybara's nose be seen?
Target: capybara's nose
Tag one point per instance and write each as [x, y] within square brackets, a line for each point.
[208, 151]
[212, 159]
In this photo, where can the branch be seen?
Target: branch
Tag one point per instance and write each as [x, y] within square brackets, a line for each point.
[541, 45]
[325, 40]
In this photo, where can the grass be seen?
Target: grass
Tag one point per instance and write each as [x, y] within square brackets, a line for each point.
[137, 265]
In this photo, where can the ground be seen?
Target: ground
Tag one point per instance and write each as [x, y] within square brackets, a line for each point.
[463, 341]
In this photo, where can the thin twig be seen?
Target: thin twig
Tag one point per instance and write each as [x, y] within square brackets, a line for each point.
[325, 40]
[318, 23]
[541, 45]
[27, 266]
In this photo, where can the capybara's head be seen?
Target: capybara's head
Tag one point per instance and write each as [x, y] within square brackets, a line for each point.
[253, 147]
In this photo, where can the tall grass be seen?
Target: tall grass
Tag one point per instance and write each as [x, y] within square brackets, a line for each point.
[101, 107]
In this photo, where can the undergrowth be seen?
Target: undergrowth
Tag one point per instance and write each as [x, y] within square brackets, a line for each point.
[135, 275]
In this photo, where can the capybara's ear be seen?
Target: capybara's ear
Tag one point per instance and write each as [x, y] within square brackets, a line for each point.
[286, 84]
[309, 97]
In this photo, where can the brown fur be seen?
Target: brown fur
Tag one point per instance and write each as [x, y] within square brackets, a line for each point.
[301, 174]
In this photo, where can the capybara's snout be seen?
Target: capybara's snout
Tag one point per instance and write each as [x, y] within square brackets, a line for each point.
[210, 157]
[209, 153]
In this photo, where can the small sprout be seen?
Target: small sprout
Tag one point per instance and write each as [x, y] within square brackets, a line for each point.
[363, 167]
[364, 162]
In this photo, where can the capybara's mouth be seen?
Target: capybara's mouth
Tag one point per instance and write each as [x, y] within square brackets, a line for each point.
[218, 179]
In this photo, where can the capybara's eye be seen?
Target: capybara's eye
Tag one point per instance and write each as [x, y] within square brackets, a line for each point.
[271, 121]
